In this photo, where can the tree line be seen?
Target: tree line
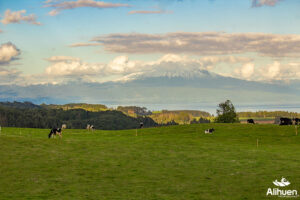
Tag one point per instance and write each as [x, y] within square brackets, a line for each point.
[40, 117]
[268, 114]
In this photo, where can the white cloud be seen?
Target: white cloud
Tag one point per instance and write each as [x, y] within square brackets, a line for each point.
[18, 16]
[53, 12]
[62, 58]
[278, 71]
[84, 44]
[246, 71]
[275, 71]
[66, 5]
[201, 43]
[149, 12]
[121, 64]
[8, 52]
[272, 71]
[259, 3]
[73, 68]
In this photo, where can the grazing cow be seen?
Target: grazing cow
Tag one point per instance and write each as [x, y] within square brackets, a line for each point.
[90, 127]
[209, 131]
[250, 121]
[141, 125]
[296, 121]
[55, 131]
[285, 121]
[64, 126]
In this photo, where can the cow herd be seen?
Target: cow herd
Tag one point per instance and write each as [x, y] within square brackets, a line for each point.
[281, 121]
[289, 121]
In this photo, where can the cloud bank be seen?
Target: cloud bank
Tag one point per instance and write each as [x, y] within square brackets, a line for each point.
[62, 69]
[18, 17]
[200, 43]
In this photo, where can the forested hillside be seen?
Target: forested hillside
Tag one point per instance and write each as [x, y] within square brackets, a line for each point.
[84, 106]
[134, 111]
[40, 117]
[17, 104]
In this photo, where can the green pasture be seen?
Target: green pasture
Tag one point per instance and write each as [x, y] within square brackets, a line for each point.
[167, 163]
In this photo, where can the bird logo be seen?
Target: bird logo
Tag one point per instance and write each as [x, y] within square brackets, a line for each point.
[281, 183]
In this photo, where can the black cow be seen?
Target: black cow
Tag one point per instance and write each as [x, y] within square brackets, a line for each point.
[285, 121]
[250, 121]
[55, 131]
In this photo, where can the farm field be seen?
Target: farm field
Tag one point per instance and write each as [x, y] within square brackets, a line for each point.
[176, 162]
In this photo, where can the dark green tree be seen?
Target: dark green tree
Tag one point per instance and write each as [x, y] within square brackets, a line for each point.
[226, 113]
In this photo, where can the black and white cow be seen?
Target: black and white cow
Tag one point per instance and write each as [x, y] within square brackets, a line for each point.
[250, 121]
[141, 125]
[55, 131]
[209, 131]
[296, 121]
[285, 121]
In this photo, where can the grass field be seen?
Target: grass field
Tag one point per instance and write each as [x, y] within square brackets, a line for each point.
[178, 162]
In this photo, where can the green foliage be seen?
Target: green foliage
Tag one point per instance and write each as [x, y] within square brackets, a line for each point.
[179, 116]
[73, 118]
[84, 106]
[226, 113]
[134, 111]
[17, 104]
[170, 163]
[200, 121]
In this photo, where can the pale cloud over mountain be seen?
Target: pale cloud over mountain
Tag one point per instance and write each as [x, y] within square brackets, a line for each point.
[64, 69]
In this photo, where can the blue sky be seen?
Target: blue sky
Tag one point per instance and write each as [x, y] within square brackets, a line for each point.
[81, 24]
[101, 41]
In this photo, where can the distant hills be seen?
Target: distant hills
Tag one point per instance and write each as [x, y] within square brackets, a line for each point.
[198, 92]
[19, 105]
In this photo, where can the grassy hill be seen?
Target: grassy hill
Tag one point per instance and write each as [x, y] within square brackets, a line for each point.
[177, 162]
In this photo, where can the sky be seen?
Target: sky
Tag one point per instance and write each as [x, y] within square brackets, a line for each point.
[62, 41]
